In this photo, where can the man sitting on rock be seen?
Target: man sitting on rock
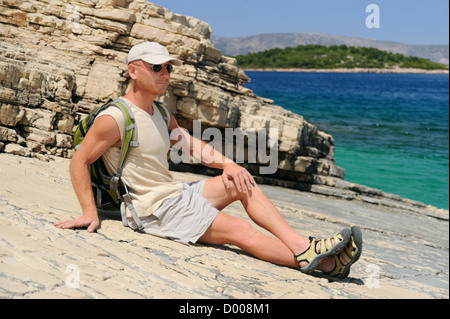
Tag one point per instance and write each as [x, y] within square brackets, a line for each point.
[192, 213]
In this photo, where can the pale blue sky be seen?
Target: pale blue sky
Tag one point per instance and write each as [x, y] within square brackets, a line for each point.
[406, 21]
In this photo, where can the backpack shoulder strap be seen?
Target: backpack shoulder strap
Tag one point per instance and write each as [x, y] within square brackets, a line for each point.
[130, 139]
[164, 112]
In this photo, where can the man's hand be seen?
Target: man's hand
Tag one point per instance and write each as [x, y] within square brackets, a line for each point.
[90, 223]
[242, 178]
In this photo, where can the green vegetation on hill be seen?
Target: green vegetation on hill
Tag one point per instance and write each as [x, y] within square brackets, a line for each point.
[323, 57]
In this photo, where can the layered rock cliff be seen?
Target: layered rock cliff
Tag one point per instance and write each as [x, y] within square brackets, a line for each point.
[60, 59]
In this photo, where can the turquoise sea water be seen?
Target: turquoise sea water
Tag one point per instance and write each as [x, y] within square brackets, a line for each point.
[391, 130]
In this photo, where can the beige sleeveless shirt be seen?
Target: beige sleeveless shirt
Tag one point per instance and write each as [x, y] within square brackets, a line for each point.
[146, 168]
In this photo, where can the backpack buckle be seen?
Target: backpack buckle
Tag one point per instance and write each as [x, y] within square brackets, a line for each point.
[114, 182]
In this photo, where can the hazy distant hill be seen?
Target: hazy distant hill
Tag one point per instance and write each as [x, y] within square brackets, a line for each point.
[252, 44]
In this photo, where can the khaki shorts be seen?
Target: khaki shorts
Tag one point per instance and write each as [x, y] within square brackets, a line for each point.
[183, 218]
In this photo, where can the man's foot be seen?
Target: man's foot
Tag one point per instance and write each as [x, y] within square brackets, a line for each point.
[348, 256]
[322, 248]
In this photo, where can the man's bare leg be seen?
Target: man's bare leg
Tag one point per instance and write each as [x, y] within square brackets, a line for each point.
[259, 208]
[226, 229]
[229, 230]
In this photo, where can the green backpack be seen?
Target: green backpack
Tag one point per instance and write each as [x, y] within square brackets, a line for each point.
[110, 192]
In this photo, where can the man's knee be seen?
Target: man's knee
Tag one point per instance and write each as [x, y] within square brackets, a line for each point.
[244, 233]
[237, 195]
[242, 226]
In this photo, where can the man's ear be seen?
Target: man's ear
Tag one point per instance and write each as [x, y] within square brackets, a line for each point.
[132, 70]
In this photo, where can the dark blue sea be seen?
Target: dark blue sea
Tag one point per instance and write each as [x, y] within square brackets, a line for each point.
[391, 130]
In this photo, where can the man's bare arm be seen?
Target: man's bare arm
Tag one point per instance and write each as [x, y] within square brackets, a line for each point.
[210, 157]
[101, 136]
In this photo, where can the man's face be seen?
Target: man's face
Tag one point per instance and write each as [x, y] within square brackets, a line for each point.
[147, 79]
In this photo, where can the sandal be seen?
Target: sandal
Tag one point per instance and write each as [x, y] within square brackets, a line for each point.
[327, 249]
[347, 255]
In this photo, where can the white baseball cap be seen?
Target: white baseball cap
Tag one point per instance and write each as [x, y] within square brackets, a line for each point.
[151, 52]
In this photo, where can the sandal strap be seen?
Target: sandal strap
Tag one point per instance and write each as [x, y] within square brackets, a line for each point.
[310, 253]
[326, 244]
[345, 255]
[338, 267]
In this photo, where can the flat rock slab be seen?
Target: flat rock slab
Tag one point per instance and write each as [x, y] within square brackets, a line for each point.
[405, 252]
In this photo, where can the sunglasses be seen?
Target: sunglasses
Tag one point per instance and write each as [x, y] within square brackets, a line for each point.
[158, 67]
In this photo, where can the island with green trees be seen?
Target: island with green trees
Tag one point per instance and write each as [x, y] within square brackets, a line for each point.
[342, 57]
